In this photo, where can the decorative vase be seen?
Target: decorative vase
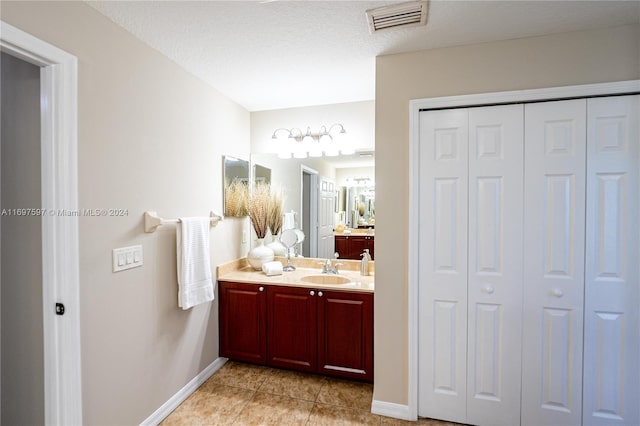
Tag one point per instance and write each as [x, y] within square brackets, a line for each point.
[259, 254]
[277, 247]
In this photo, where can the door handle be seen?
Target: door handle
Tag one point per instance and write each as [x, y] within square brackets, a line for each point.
[557, 292]
[312, 293]
[488, 289]
[261, 289]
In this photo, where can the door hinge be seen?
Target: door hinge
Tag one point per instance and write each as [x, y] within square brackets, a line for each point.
[59, 309]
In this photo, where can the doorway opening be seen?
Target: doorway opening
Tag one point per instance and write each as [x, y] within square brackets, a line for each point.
[59, 234]
[309, 209]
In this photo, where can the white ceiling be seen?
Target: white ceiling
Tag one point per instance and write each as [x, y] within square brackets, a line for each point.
[284, 54]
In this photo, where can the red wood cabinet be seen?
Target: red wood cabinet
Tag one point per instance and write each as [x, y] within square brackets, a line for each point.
[242, 319]
[291, 328]
[305, 329]
[352, 246]
[345, 334]
[342, 246]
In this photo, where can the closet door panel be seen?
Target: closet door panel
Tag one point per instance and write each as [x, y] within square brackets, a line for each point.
[554, 238]
[495, 264]
[612, 324]
[443, 264]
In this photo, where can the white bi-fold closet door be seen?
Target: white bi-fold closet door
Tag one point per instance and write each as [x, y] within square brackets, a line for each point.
[528, 239]
[471, 264]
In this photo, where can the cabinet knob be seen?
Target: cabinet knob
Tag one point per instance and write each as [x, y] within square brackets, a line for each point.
[557, 292]
[312, 293]
[261, 288]
[320, 293]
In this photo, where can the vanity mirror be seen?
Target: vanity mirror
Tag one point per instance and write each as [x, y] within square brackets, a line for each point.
[335, 198]
[236, 185]
[289, 238]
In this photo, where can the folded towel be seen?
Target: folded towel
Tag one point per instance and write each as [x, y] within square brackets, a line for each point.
[272, 268]
[195, 283]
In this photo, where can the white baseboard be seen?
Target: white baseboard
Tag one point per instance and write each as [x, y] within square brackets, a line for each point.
[183, 393]
[390, 409]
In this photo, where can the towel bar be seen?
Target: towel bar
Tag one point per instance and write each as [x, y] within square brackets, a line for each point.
[152, 220]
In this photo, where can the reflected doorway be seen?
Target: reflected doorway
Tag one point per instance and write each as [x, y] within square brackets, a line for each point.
[309, 209]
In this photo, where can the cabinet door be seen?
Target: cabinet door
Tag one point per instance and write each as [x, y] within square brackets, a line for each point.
[358, 244]
[242, 318]
[345, 334]
[612, 323]
[342, 247]
[371, 246]
[291, 328]
[554, 240]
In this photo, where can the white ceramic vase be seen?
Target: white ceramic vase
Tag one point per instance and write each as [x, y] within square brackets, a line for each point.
[259, 254]
[277, 247]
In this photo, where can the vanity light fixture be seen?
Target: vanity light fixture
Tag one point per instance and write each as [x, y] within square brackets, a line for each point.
[299, 144]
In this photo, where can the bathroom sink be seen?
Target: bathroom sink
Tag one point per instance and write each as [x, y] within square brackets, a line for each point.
[325, 279]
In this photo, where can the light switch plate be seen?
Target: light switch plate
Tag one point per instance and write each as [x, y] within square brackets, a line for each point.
[126, 258]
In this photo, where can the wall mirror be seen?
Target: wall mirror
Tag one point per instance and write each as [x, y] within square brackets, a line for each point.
[353, 178]
[236, 186]
[361, 205]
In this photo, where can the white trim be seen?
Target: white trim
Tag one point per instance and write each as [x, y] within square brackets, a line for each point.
[313, 214]
[599, 89]
[390, 409]
[184, 393]
[563, 92]
[60, 264]
[413, 259]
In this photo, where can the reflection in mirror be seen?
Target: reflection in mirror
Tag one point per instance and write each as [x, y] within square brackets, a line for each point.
[361, 205]
[353, 178]
[261, 174]
[236, 181]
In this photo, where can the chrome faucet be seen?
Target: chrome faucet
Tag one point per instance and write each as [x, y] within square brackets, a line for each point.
[328, 267]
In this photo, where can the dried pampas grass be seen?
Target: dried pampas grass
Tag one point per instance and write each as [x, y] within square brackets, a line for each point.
[258, 208]
[236, 195]
[276, 207]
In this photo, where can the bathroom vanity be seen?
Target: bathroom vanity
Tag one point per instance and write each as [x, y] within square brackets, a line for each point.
[352, 245]
[286, 321]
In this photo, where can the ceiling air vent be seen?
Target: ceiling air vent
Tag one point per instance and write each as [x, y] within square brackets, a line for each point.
[397, 16]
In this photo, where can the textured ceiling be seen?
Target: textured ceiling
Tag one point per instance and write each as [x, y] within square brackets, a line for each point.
[282, 54]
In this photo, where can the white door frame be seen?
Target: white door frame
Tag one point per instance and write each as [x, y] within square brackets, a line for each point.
[313, 207]
[415, 106]
[60, 264]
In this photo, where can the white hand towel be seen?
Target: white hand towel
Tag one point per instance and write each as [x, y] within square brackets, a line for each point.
[289, 221]
[272, 268]
[195, 283]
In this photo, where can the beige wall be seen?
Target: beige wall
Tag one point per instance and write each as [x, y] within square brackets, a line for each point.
[151, 137]
[22, 336]
[555, 60]
[356, 117]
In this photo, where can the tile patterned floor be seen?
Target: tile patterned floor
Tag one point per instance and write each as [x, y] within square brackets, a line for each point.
[245, 394]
